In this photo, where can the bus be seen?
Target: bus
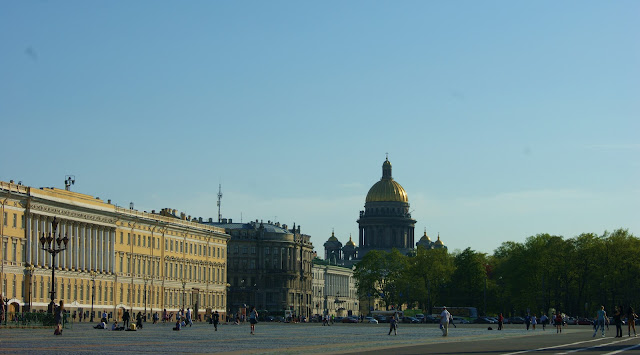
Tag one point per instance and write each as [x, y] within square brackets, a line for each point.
[468, 313]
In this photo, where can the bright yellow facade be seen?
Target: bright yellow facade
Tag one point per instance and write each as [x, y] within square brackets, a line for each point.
[119, 252]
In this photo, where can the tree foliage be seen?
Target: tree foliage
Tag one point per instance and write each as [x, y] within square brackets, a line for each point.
[574, 276]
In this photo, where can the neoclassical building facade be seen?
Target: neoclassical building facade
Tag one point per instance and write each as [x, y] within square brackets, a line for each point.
[116, 258]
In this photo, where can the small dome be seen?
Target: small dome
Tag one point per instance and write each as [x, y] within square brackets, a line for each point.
[333, 238]
[387, 189]
[350, 242]
[439, 242]
[425, 237]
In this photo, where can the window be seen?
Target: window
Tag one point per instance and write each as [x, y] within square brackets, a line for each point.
[181, 247]
[121, 241]
[245, 249]
[252, 264]
[22, 221]
[128, 238]
[190, 248]
[138, 239]
[121, 259]
[15, 220]
[149, 243]
[171, 244]
[4, 219]
[15, 250]
[253, 250]
[275, 251]
[266, 251]
[144, 242]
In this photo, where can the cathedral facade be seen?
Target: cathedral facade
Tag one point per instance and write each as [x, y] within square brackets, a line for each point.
[384, 224]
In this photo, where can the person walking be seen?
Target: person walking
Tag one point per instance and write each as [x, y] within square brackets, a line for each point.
[617, 319]
[631, 320]
[558, 321]
[58, 317]
[543, 320]
[125, 319]
[164, 316]
[216, 320]
[534, 321]
[253, 319]
[444, 321]
[527, 321]
[393, 324]
[600, 320]
[500, 321]
[189, 320]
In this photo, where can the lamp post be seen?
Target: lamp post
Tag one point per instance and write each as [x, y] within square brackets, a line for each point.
[93, 291]
[146, 279]
[184, 283]
[53, 244]
[30, 269]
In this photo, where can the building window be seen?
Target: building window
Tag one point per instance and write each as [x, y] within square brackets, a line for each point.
[15, 251]
[121, 241]
[15, 220]
[4, 219]
[245, 250]
[22, 217]
[253, 250]
[266, 251]
[144, 242]
[128, 238]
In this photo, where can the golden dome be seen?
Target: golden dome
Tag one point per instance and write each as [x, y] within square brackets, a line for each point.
[350, 242]
[387, 189]
[439, 242]
[425, 237]
[333, 238]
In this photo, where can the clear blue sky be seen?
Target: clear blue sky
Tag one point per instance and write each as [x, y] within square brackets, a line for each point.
[502, 119]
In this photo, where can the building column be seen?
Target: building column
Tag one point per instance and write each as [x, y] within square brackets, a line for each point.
[89, 247]
[29, 236]
[36, 232]
[112, 254]
[100, 250]
[94, 248]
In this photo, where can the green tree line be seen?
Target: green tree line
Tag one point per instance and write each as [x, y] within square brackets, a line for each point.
[574, 276]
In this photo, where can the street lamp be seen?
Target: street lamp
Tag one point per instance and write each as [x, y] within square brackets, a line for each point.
[93, 291]
[53, 245]
[30, 269]
[146, 279]
[184, 283]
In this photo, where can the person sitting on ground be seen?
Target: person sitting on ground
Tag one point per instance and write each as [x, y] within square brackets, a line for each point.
[116, 327]
[101, 325]
[178, 326]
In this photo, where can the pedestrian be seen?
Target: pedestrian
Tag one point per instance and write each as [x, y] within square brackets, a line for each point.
[617, 319]
[500, 321]
[527, 321]
[393, 324]
[80, 316]
[125, 319]
[1, 308]
[105, 316]
[543, 320]
[631, 320]
[558, 320]
[533, 321]
[601, 317]
[444, 321]
[58, 317]
[189, 320]
[216, 320]
[139, 320]
[155, 318]
[253, 319]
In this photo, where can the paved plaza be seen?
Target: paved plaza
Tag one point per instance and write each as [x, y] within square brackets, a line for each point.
[272, 338]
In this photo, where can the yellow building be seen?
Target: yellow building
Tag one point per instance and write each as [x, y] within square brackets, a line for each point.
[125, 259]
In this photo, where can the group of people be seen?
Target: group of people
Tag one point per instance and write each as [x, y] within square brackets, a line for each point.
[183, 319]
[618, 315]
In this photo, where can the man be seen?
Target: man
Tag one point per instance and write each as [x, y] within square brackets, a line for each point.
[444, 321]
[104, 317]
[500, 321]
[544, 319]
[216, 320]
[189, 321]
[601, 316]
[125, 319]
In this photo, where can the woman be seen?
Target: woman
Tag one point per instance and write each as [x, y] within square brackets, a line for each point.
[58, 318]
[617, 318]
[534, 321]
[253, 319]
[631, 320]
[393, 325]
[558, 320]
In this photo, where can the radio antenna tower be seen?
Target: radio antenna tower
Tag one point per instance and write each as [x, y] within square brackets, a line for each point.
[219, 199]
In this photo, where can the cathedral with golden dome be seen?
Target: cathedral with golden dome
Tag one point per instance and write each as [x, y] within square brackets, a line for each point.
[384, 224]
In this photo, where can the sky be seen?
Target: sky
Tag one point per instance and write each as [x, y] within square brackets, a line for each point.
[502, 119]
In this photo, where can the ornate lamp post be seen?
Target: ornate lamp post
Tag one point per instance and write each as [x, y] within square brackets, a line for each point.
[53, 244]
[93, 291]
[146, 279]
[184, 284]
[30, 269]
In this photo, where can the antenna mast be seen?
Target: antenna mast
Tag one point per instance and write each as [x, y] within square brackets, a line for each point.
[219, 199]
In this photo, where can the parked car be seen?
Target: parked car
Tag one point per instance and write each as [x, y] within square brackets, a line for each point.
[370, 320]
[383, 319]
[338, 319]
[570, 321]
[484, 320]
[269, 318]
[459, 320]
[430, 319]
[410, 320]
[585, 321]
[420, 317]
[516, 320]
[279, 319]
[349, 320]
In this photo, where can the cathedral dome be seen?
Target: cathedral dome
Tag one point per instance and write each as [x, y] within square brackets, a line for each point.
[387, 189]
[350, 242]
